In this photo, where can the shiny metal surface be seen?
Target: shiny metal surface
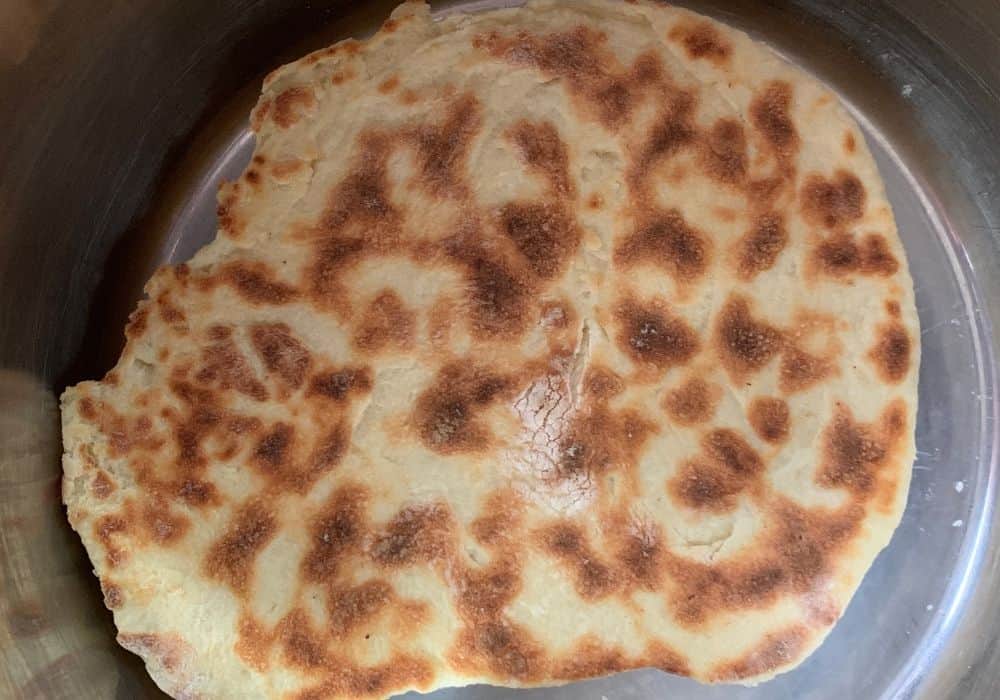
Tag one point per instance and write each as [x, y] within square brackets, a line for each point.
[118, 119]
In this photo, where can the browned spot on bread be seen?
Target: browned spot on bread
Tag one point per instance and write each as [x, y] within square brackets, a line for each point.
[778, 650]
[168, 650]
[692, 402]
[138, 323]
[283, 169]
[105, 529]
[336, 532]
[271, 454]
[589, 69]
[800, 370]
[302, 646]
[794, 555]
[253, 643]
[595, 201]
[501, 519]
[850, 143]
[541, 147]
[360, 218]
[442, 150]
[102, 486]
[666, 240]
[566, 541]
[446, 412]
[854, 453]
[770, 113]
[163, 526]
[770, 419]
[253, 177]
[484, 593]
[590, 658]
[416, 535]
[760, 247]
[544, 234]
[724, 153]
[602, 383]
[639, 554]
[389, 26]
[387, 323]
[401, 672]
[231, 559]
[651, 335]
[226, 367]
[292, 104]
[840, 256]
[125, 434]
[659, 655]
[231, 223]
[744, 344]
[353, 606]
[672, 131]
[500, 649]
[114, 598]
[339, 385]
[892, 308]
[598, 441]
[702, 40]
[254, 281]
[726, 466]
[389, 84]
[833, 203]
[169, 312]
[283, 355]
[261, 112]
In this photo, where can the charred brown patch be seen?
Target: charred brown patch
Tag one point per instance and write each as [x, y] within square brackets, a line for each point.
[693, 402]
[566, 541]
[387, 323]
[602, 383]
[302, 646]
[893, 308]
[778, 650]
[840, 256]
[770, 419]
[253, 643]
[255, 282]
[724, 152]
[589, 658]
[544, 234]
[744, 344]
[770, 113]
[667, 241]
[701, 40]
[500, 520]
[272, 453]
[640, 556]
[759, 249]
[138, 323]
[484, 593]
[169, 312]
[114, 598]
[599, 441]
[336, 532]
[609, 91]
[102, 486]
[855, 453]
[169, 650]
[446, 413]
[416, 535]
[672, 132]
[850, 143]
[835, 202]
[163, 526]
[283, 355]
[231, 559]
[389, 84]
[292, 104]
[801, 370]
[442, 150]
[726, 466]
[795, 553]
[339, 385]
[501, 649]
[224, 366]
[651, 335]
[352, 607]
[541, 148]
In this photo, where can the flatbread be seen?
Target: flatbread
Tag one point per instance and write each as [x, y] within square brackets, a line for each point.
[535, 345]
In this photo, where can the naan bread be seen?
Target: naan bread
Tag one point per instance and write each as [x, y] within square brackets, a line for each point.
[535, 345]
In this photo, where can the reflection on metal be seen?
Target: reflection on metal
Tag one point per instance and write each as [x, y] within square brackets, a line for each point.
[118, 120]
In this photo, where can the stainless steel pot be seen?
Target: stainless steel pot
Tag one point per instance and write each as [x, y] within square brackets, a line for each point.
[117, 119]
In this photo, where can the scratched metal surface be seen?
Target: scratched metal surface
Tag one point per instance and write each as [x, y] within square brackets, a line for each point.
[119, 120]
